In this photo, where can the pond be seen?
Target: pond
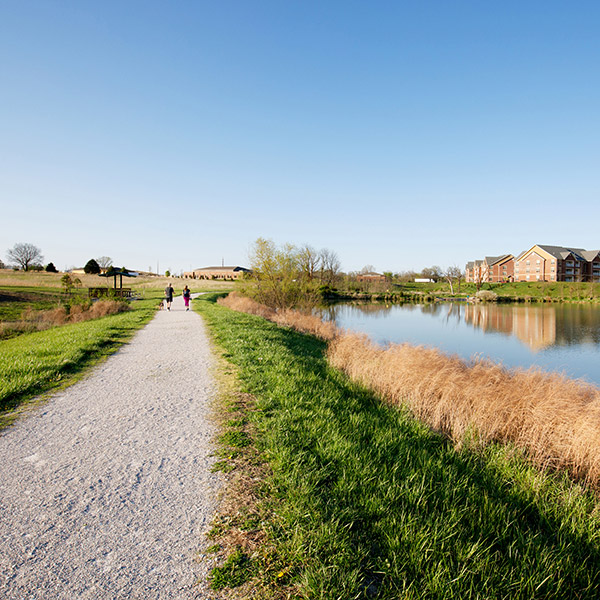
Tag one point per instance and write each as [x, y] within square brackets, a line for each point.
[554, 337]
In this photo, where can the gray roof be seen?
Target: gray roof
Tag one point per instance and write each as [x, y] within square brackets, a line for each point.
[492, 260]
[563, 251]
[590, 254]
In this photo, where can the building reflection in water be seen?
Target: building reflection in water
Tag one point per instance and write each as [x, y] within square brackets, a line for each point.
[539, 326]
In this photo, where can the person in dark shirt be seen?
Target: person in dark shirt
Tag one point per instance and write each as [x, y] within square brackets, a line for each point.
[169, 296]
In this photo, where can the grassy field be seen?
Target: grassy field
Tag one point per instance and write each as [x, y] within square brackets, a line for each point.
[14, 300]
[21, 293]
[364, 501]
[33, 363]
[41, 280]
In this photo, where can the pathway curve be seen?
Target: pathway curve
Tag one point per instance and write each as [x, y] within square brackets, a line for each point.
[105, 490]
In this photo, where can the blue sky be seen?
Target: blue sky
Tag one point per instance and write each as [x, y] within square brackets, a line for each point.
[398, 134]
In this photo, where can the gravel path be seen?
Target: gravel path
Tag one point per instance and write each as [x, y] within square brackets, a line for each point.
[106, 490]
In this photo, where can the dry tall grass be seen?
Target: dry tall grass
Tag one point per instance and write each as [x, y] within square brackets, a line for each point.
[76, 314]
[554, 419]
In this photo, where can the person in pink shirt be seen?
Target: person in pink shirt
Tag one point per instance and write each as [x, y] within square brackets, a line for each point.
[186, 297]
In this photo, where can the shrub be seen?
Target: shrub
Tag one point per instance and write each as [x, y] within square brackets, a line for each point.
[487, 296]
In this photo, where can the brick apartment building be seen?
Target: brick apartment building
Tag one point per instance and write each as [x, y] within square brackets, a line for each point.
[557, 263]
[539, 263]
[494, 269]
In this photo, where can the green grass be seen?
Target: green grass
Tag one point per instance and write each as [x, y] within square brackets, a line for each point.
[37, 362]
[366, 502]
[14, 300]
[535, 290]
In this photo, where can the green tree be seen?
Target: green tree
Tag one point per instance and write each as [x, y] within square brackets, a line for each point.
[50, 268]
[69, 282]
[286, 276]
[91, 267]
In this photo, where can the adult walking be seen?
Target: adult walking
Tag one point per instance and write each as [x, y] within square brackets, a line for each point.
[169, 295]
[186, 297]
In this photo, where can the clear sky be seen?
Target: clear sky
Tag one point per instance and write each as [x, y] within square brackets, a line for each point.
[398, 134]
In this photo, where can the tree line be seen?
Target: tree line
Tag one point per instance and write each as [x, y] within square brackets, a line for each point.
[28, 257]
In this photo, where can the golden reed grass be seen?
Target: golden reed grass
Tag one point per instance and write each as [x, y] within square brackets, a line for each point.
[554, 419]
[76, 314]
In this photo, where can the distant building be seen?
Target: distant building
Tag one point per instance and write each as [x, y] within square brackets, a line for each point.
[370, 277]
[224, 273]
[492, 269]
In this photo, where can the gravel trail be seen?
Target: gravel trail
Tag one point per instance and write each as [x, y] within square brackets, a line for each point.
[106, 490]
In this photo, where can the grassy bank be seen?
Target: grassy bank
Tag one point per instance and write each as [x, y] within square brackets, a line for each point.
[535, 291]
[364, 501]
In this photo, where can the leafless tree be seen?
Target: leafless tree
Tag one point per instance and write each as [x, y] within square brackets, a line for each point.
[25, 255]
[434, 273]
[452, 274]
[104, 262]
[330, 266]
[308, 261]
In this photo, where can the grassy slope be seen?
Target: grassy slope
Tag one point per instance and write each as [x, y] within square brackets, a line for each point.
[14, 300]
[367, 502]
[535, 290]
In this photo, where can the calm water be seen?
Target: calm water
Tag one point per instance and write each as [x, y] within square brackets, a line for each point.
[559, 337]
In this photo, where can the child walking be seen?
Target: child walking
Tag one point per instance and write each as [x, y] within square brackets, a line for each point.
[186, 297]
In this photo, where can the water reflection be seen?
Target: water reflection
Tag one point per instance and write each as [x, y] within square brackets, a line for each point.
[561, 337]
[539, 326]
